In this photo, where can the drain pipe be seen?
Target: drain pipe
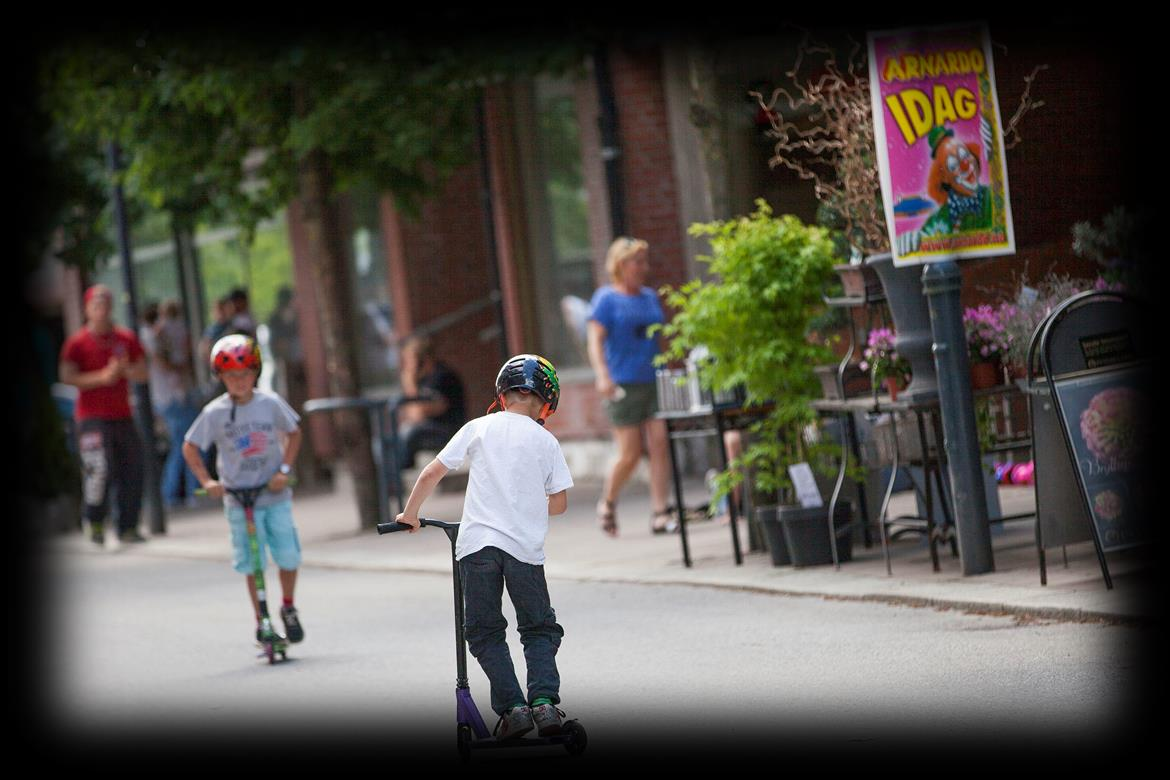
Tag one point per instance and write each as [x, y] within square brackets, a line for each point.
[611, 149]
[490, 223]
[152, 489]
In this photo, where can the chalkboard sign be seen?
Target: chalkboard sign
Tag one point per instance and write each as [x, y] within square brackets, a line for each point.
[1096, 352]
[1103, 415]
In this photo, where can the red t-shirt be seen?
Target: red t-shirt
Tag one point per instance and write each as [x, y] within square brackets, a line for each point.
[90, 351]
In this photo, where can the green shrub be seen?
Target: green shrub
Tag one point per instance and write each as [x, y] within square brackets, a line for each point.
[753, 316]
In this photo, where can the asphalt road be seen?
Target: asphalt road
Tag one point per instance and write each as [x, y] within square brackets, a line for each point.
[141, 647]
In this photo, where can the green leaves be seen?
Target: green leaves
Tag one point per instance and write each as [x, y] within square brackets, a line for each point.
[753, 317]
[382, 109]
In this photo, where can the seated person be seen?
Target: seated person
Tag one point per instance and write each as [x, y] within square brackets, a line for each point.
[430, 423]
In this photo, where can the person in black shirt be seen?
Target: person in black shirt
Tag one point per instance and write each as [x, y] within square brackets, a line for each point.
[427, 424]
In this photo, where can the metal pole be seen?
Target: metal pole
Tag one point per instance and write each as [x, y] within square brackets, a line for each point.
[376, 451]
[731, 512]
[460, 645]
[190, 294]
[488, 202]
[611, 145]
[942, 283]
[678, 497]
[153, 489]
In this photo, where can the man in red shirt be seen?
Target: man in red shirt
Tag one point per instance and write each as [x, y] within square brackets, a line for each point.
[100, 360]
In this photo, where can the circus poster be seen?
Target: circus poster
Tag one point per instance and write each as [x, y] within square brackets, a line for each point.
[940, 144]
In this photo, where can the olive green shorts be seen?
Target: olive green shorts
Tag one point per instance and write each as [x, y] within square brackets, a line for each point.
[637, 406]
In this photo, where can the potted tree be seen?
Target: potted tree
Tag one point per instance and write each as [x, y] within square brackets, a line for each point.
[753, 316]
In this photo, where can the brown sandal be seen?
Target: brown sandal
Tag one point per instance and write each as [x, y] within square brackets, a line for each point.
[607, 516]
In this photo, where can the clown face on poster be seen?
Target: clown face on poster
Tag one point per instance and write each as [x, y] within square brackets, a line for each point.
[940, 144]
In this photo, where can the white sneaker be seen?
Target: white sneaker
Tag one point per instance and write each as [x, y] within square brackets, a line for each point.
[547, 719]
[514, 723]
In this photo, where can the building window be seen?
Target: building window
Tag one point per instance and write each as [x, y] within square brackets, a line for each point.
[370, 294]
[558, 217]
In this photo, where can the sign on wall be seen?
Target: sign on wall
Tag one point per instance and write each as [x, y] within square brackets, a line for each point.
[940, 144]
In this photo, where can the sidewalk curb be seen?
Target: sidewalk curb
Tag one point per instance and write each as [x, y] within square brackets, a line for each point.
[992, 609]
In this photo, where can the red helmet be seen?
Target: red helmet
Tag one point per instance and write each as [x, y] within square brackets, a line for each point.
[235, 352]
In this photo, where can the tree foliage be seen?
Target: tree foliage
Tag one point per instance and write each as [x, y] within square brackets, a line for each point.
[214, 130]
[230, 131]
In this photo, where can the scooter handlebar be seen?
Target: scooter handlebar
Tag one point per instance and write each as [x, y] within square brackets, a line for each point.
[391, 527]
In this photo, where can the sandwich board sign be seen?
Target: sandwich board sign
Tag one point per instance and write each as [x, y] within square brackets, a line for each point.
[1095, 351]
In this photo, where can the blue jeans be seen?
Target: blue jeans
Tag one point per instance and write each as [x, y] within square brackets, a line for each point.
[176, 475]
[484, 574]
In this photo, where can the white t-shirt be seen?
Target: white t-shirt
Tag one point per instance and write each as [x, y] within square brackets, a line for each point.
[515, 466]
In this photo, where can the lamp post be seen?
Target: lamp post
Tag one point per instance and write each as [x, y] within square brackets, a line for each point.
[942, 283]
[153, 490]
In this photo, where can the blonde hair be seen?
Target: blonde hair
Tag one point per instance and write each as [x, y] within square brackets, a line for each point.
[622, 249]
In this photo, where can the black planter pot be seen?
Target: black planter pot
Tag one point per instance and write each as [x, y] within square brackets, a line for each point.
[911, 314]
[774, 535]
[806, 534]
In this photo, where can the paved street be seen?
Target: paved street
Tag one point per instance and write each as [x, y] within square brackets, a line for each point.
[144, 643]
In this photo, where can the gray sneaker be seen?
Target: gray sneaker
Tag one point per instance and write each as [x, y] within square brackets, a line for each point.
[514, 723]
[547, 719]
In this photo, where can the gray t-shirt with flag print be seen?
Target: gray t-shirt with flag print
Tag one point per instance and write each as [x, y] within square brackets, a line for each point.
[249, 440]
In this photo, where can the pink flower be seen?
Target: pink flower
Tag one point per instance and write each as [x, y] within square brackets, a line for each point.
[1110, 423]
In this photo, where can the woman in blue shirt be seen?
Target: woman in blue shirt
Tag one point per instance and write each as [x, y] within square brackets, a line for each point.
[622, 354]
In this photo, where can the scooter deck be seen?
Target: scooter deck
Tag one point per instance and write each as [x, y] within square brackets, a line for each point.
[279, 650]
[528, 740]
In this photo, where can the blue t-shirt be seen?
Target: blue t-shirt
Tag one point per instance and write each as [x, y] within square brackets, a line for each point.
[629, 351]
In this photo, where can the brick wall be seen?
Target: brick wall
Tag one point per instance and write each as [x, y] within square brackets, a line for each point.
[439, 262]
[651, 196]
[1072, 164]
[651, 206]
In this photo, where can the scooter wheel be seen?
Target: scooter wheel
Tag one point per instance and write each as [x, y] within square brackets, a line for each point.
[463, 742]
[270, 652]
[578, 739]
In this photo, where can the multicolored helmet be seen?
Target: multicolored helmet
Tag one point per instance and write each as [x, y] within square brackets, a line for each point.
[533, 374]
[235, 352]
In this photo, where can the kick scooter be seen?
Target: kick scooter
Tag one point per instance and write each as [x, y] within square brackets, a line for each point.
[271, 643]
[471, 732]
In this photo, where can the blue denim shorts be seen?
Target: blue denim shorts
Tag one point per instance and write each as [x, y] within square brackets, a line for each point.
[274, 531]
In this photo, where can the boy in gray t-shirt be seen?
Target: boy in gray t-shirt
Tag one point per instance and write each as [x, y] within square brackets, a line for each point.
[257, 437]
